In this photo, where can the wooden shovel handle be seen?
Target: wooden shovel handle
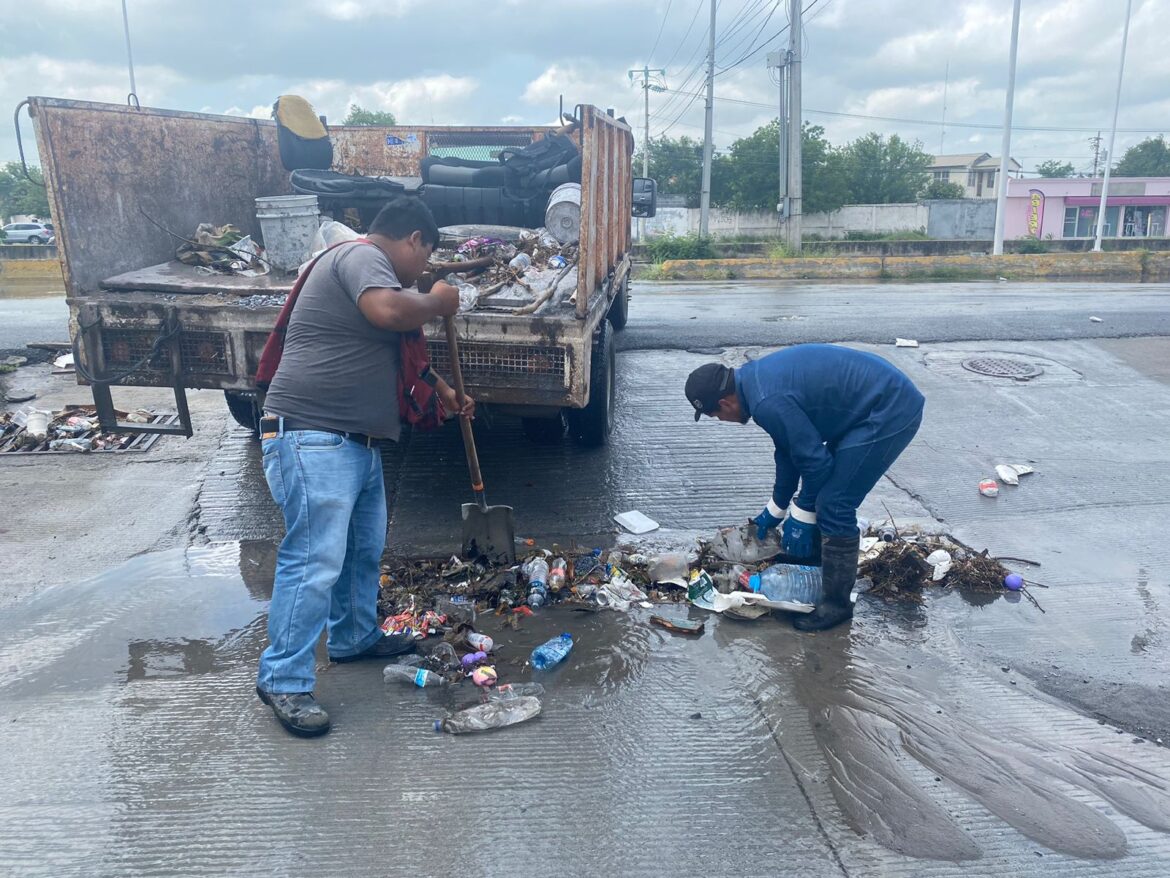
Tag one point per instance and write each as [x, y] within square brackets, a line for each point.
[461, 396]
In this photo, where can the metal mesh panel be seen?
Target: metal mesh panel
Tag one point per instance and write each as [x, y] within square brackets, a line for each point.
[482, 146]
[511, 364]
[205, 352]
[124, 347]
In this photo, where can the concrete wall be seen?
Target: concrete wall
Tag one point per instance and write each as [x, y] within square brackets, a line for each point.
[872, 218]
[961, 219]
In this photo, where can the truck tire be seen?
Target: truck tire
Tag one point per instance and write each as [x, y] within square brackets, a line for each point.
[592, 425]
[245, 408]
[544, 431]
[619, 311]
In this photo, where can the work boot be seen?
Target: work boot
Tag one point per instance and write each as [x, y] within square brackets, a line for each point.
[838, 575]
[298, 712]
[383, 647]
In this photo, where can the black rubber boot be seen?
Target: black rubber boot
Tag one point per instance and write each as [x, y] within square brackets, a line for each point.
[838, 574]
[298, 712]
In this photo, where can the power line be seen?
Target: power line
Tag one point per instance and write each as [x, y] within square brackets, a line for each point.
[755, 39]
[935, 122]
[661, 28]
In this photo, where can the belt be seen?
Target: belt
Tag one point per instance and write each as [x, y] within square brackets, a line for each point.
[287, 425]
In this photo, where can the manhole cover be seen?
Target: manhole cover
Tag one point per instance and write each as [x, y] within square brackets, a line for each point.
[1002, 367]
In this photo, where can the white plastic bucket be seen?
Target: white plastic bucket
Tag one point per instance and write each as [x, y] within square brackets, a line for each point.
[287, 224]
[562, 217]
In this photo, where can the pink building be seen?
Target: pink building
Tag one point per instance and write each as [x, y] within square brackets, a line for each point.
[1137, 208]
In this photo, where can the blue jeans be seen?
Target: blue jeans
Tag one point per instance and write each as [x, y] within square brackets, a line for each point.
[855, 471]
[331, 492]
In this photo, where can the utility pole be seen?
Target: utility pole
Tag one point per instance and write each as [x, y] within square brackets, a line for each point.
[1006, 144]
[646, 85]
[1096, 142]
[708, 144]
[795, 129]
[778, 61]
[1112, 139]
[942, 138]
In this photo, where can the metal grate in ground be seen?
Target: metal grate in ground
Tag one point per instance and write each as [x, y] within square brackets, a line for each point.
[1003, 367]
[12, 437]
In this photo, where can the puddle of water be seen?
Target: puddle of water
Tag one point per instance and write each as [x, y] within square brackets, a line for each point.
[31, 289]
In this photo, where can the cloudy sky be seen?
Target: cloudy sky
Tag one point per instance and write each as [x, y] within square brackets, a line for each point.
[868, 64]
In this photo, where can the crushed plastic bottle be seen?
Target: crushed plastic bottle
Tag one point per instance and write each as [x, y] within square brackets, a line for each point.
[556, 575]
[789, 582]
[481, 642]
[537, 572]
[520, 262]
[446, 654]
[492, 715]
[552, 652]
[418, 676]
[510, 691]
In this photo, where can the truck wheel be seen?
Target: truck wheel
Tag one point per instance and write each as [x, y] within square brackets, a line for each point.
[245, 408]
[544, 431]
[592, 425]
[619, 311]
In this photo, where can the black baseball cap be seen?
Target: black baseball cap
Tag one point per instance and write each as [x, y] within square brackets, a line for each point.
[707, 385]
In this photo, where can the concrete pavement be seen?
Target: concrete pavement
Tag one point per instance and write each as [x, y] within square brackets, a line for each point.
[960, 737]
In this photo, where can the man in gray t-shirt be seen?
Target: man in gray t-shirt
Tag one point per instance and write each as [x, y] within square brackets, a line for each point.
[334, 395]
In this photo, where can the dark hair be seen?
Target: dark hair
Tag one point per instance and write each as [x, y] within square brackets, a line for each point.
[402, 217]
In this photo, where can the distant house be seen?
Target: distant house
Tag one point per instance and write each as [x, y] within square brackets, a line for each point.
[975, 172]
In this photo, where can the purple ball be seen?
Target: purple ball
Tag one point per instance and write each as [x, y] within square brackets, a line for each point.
[1013, 581]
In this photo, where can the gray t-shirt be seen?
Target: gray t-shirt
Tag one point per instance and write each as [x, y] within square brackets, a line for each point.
[338, 370]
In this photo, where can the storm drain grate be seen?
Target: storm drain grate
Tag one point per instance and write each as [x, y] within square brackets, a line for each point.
[1002, 367]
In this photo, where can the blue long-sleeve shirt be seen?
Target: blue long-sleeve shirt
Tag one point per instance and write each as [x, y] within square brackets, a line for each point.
[816, 398]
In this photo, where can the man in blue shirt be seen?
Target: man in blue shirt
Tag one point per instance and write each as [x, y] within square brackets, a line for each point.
[839, 419]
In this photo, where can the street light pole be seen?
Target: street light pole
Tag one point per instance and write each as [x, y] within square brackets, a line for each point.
[1112, 137]
[778, 61]
[129, 53]
[1006, 145]
[795, 130]
[646, 72]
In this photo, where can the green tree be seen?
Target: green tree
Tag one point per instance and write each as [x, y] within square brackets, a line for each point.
[18, 195]
[1150, 158]
[677, 165]
[941, 189]
[1052, 169]
[362, 116]
[882, 171]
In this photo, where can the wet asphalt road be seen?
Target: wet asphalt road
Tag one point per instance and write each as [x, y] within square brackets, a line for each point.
[965, 736]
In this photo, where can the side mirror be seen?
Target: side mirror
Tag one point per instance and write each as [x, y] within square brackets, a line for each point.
[645, 202]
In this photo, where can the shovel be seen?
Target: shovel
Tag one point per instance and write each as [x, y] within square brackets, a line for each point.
[487, 530]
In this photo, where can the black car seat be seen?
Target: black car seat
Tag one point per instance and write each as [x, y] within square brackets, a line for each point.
[306, 151]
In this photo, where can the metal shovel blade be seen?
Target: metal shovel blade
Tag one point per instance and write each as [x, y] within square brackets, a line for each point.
[489, 531]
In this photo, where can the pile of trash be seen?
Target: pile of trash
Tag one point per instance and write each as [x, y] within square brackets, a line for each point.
[222, 250]
[524, 270]
[905, 566]
[72, 429]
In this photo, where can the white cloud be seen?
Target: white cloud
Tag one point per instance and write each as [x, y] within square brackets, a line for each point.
[353, 10]
[578, 80]
[443, 98]
[82, 80]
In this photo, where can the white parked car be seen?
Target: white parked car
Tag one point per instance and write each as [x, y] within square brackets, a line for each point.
[28, 233]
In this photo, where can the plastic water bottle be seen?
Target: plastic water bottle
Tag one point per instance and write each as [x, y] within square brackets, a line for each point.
[537, 572]
[418, 676]
[789, 582]
[552, 652]
[556, 575]
[520, 262]
[493, 715]
[481, 642]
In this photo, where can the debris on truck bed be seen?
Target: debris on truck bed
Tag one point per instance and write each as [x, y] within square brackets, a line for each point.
[521, 270]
